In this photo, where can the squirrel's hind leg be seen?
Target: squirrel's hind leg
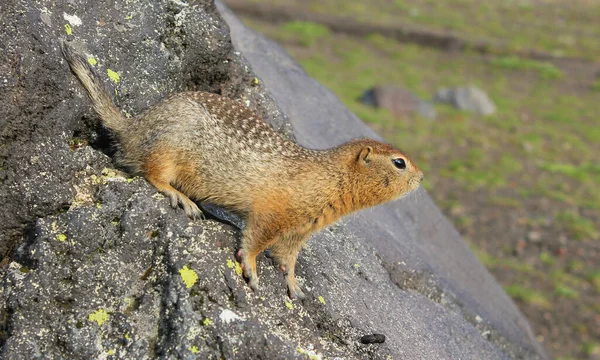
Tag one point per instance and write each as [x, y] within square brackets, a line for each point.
[160, 172]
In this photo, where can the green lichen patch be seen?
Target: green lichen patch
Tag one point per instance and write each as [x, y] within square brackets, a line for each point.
[61, 237]
[92, 61]
[100, 316]
[321, 300]
[113, 75]
[289, 305]
[111, 352]
[68, 29]
[207, 322]
[188, 276]
[194, 349]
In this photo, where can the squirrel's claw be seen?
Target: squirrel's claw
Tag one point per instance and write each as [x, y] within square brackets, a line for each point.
[253, 283]
[191, 209]
[297, 293]
[248, 271]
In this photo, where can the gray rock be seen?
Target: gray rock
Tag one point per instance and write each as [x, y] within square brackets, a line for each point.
[103, 267]
[398, 101]
[468, 98]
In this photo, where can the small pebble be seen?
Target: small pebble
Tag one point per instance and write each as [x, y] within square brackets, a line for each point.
[373, 339]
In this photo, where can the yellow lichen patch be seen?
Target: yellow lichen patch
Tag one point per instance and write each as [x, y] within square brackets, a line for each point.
[289, 305]
[92, 61]
[127, 336]
[237, 265]
[61, 237]
[188, 276]
[113, 75]
[207, 322]
[68, 29]
[112, 173]
[321, 300]
[100, 316]
[238, 268]
[194, 349]
[110, 352]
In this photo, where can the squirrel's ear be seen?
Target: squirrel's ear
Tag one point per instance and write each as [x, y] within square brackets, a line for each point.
[365, 154]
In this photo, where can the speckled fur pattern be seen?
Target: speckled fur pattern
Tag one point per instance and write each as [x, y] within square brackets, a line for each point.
[206, 147]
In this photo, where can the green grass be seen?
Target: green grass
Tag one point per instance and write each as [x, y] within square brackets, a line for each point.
[579, 227]
[591, 348]
[582, 172]
[506, 201]
[594, 277]
[528, 296]
[566, 292]
[518, 25]
[545, 69]
[492, 262]
[547, 258]
[308, 33]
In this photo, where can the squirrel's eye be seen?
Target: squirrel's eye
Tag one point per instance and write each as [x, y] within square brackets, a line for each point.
[399, 163]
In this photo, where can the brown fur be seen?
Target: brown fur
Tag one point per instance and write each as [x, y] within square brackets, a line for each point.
[211, 148]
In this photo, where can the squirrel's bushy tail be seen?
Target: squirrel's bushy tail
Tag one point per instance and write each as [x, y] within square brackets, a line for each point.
[101, 100]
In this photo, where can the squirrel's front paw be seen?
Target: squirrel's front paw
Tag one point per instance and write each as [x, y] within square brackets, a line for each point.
[249, 271]
[296, 293]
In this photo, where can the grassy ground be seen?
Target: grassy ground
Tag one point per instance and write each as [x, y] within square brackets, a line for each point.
[564, 28]
[521, 186]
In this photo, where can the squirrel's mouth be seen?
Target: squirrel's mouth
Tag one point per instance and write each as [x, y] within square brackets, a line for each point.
[414, 182]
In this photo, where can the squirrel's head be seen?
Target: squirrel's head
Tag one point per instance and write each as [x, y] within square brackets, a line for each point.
[384, 172]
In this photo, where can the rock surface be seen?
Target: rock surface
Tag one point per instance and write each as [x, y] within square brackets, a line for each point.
[398, 101]
[97, 265]
[468, 98]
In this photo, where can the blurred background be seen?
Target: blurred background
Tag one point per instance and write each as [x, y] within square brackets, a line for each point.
[499, 103]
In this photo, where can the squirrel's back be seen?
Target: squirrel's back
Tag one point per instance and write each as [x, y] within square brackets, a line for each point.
[223, 138]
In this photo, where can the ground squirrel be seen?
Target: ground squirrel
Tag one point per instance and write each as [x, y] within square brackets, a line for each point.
[210, 148]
